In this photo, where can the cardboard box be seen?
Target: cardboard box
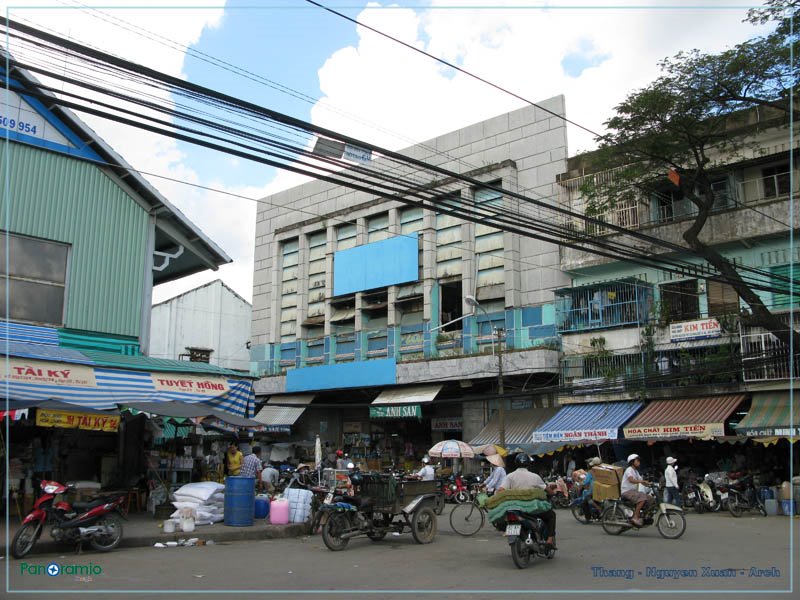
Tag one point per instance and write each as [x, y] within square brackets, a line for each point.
[602, 491]
[608, 474]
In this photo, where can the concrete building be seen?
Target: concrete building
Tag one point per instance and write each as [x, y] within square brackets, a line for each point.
[680, 344]
[211, 318]
[360, 313]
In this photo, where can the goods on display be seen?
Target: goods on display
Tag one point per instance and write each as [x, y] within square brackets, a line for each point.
[299, 504]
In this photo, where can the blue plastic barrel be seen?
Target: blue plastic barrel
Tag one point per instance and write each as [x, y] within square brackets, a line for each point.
[262, 507]
[767, 493]
[240, 496]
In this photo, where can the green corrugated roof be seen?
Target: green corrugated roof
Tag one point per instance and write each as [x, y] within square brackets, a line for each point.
[146, 363]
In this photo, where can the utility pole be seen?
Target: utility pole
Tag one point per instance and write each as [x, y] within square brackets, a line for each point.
[500, 391]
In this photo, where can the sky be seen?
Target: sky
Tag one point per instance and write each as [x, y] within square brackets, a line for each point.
[290, 56]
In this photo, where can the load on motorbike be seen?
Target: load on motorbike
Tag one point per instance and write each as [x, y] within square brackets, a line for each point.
[668, 518]
[92, 521]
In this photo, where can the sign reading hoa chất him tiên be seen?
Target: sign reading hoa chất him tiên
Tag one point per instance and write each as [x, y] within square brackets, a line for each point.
[698, 430]
[392, 411]
[694, 330]
[192, 384]
[575, 435]
[76, 420]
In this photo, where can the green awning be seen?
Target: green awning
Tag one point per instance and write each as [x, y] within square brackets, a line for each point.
[770, 416]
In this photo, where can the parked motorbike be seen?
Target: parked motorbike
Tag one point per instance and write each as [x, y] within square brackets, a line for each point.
[702, 495]
[743, 496]
[668, 518]
[92, 521]
[455, 490]
[595, 510]
[526, 535]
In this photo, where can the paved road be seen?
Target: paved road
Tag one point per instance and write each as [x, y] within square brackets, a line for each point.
[716, 546]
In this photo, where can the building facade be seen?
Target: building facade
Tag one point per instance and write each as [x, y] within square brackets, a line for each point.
[360, 299]
[211, 319]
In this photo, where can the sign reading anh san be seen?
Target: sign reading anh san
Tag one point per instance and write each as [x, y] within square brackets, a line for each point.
[446, 424]
[391, 411]
[694, 330]
[21, 370]
[698, 430]
[178, 382]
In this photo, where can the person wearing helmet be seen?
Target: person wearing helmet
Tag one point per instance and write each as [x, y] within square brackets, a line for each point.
[588, 488]
[341, 461]
[523, 479]
[631, 480]
[427, 472]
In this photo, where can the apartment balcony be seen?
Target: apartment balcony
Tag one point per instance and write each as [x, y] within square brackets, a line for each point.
[764, 358]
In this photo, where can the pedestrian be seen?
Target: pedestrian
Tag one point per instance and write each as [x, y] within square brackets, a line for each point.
[671, 488]
[251, 465]
[269, 477]
[233, 459]
[570, 462]
[341, 461]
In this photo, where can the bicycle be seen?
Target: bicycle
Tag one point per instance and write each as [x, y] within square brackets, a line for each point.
[468, 518]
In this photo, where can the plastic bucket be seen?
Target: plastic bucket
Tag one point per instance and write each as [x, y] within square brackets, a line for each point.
[766, 493]
[262, 507]
[772, 507]
[279, 512]
[787, 506]
[169, 526]
[239, 501]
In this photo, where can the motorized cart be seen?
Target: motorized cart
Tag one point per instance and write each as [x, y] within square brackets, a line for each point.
[383, 504]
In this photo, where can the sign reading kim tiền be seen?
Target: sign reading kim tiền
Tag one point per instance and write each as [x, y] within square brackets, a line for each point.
[700, 430]
[407, 411]
[20, 370]
[694, 330]
[575, 435]
[192, 384]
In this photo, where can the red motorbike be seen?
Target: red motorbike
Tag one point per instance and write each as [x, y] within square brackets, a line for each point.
[455, 490]
[92, 521]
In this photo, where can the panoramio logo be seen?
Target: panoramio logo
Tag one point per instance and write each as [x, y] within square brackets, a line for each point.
[55, 569]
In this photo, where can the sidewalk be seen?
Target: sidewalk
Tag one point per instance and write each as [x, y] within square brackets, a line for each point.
[141, 529]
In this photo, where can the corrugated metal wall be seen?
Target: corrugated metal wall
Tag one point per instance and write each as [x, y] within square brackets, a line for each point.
[59, 198]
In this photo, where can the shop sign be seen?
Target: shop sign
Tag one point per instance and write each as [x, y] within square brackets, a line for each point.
[694, 330]
[770, 432]
[407, 411]
[192, 384]
[76, 420]
[575, 435]
[521, 404]
[351, 427]
[48, 373]
[446, 424]
[701, 430]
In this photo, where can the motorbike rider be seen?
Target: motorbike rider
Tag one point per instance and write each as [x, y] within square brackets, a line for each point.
[521, 479]
[588, 488]
[427, 472]
[631, 480]
[671, 489]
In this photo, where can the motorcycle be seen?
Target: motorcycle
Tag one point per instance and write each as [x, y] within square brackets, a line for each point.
[595, 510]
[668, 518]
[702, 495]
[92, 521]
[455, 490]
[743, 496]
[560, 497]
[527, 535]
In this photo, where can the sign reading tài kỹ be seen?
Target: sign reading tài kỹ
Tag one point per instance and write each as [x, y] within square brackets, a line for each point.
[446, 424]
[178, 382]
[76, 420]
[42, 372]
[694, 330]
[698, 430]
[391, 411]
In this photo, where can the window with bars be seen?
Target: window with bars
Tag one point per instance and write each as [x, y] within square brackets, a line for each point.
[290, 257]
[679, 300]
[448, 240]
[722, 299]
[378, 228]
[489, 249]
[34, 278]
[610, 304]
[317, 263]
[776, 180]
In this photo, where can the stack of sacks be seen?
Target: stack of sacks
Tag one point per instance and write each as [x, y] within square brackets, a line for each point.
[529, 501]
[299, 504]
[203, 501]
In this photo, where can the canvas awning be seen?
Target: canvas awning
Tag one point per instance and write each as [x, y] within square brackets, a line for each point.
[702, 418]
[770, 416]
[519, 426]
[590, 422]
[413, 394]
[282, 411]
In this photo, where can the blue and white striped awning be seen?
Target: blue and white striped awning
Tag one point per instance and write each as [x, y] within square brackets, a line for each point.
[591, 422]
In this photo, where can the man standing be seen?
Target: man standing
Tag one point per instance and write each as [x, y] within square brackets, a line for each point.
[671, 490]
[251, 465]
[631, 480]
[341, 461]
[522, 479]
[234, 459]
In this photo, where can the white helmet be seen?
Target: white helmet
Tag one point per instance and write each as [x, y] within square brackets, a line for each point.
[632, 458]
[426, 460]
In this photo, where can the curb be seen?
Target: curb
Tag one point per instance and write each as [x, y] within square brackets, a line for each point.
[228, 534]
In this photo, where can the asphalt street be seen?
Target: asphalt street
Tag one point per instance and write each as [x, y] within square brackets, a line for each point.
[717, 552]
